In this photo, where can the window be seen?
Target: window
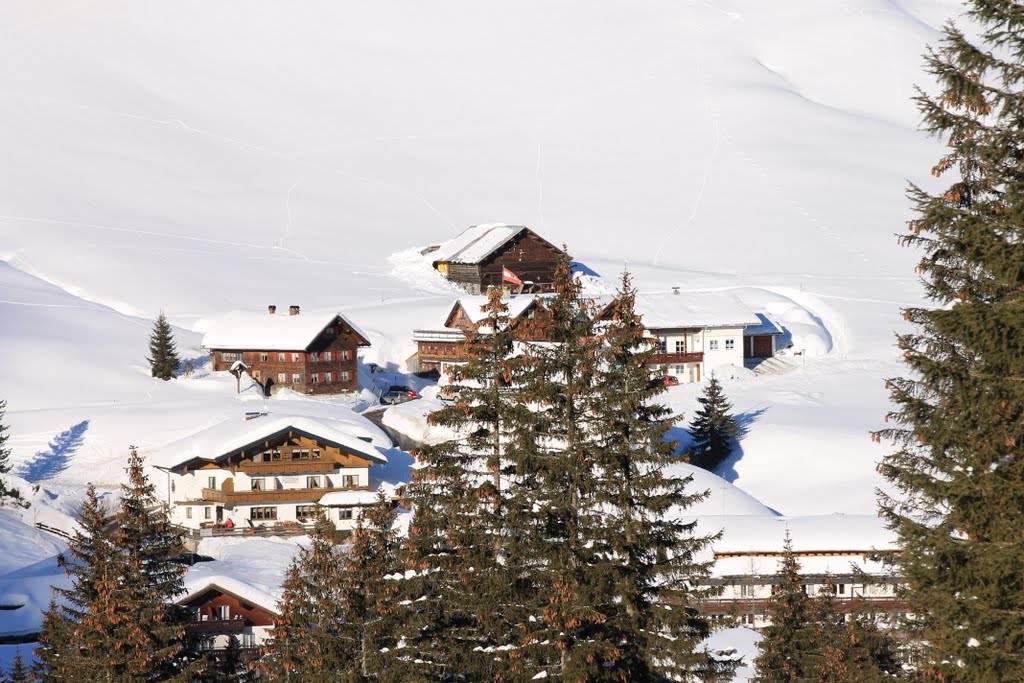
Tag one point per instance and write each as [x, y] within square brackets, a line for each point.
[747, 619]
[269, 512]
[304, 513]
[841, 589]
[282, 377]
[314, 378]
[275, 455]
[315, 454]
[680, 346]
[297, 378]
[730, 343]
[296, 357]
[312, 482]
[679, 369]
[256, 374]
[314, 357]
[188, 513]
[248, 641]
[344, 376]
[328, 378]
[713, 345]
[345, 513]
[327, 355]
[346, 355]
[206, 513]
[222, 612]
[211, 482]
[230, 355]
[300, 454]
[746, 591]
[662, 345]
[281, 356]
[350, 480]
[259, 484]
[264, 357]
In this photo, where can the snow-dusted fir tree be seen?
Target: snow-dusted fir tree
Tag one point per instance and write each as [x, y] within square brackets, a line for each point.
[368, 595]
[646, 551]
[955, 493]
[305, 642]
[713, 428]
[7, 492]
[789, 653]
[850, 648]
[18, 672]
[461, 599]
[69, 649]
[163, 354]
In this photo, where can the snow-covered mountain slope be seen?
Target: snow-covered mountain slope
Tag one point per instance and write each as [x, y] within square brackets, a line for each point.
[198, 158]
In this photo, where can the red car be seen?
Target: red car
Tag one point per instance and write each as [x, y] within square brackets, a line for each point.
[667, 381]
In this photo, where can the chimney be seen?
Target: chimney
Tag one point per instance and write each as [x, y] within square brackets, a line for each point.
[675, 290]
[271, 310]
[293, 310]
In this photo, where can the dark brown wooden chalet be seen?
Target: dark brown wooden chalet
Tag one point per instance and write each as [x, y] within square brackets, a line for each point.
[218, 615]
[476, 258]
[447, 345]
[311, 354]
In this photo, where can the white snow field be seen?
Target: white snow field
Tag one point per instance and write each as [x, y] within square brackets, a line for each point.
[202, 157]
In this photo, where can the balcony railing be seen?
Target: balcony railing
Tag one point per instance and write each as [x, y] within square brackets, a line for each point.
[274, 495]
[675, 358]
[288, 467]
[236, 625]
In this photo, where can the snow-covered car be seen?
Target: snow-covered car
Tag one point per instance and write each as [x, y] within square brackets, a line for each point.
[398, 394]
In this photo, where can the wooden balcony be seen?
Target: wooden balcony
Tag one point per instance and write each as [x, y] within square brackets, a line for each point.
[286, 467]
[236, 625]
[274, 496]
[676, 358]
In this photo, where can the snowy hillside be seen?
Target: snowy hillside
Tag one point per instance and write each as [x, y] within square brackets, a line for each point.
[199, 158]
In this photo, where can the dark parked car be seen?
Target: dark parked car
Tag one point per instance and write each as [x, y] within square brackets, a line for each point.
[665, 381]
[398, 394]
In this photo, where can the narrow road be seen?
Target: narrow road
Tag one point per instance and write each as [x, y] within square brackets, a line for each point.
[376, 416]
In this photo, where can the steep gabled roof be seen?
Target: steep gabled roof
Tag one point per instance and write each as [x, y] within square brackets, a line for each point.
[246, 331]
[471, 305]
[229, 438]
[475, 244]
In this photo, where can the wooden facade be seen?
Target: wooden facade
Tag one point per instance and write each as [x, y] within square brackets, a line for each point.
[219, 615]
[758, 346]
[532, 258]
[328, 365]
[435, 348]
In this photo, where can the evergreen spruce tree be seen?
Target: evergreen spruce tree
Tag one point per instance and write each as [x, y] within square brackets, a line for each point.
[644, 550]
[788, 652]
[118, 621]
[305, 641]
[226, 666]
[18, 673]
[69, 651]
[163, 355]
[368, 594]
[713, 427]
[6, 491]
[462, 601]
[956, 481]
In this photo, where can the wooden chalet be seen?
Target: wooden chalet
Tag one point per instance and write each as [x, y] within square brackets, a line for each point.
[696, 332]
[437, 348]
[310, 354]
[480, 255]
[220, 615]
[269, 473]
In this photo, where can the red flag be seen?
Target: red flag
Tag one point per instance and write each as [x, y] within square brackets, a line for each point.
[508, 276]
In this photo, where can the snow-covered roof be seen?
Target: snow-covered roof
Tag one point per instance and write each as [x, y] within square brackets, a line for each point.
[349, 498]
[232, 436]
[244, 330]
[723, 499]
[476, 243]
[668, 310]
[472, 305]
[197, 581]
[766, 327]
[753, 544]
